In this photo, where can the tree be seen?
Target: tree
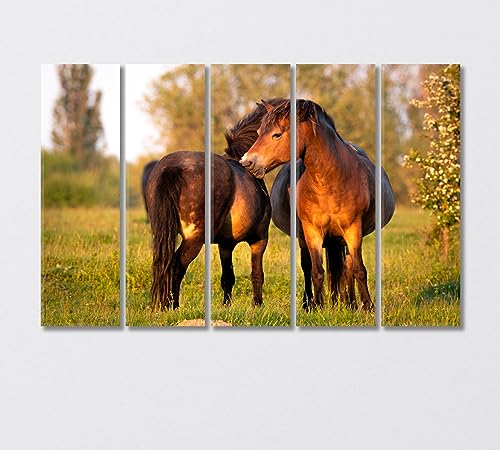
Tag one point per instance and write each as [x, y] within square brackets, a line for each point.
[438, 188]
[176, 104]
[77, 117]
[176, 100]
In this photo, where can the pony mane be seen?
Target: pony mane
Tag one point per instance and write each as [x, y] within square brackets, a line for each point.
[307, 110]
[243, 135]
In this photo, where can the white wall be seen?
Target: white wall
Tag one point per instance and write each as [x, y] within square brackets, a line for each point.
[385, 389]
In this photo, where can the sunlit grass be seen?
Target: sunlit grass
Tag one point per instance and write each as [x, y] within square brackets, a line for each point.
[419, 288]
[80, 277]
[138, 298]
[80, 267]
[339, 315]
[276, 290]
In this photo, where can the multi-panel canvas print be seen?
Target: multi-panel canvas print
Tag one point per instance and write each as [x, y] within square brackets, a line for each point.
[421, 155]
[281, 177]
[335, 195]
[80, 229]
[250, 254]
[165, 141]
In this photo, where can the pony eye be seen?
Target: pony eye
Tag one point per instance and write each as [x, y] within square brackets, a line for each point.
[277, 135]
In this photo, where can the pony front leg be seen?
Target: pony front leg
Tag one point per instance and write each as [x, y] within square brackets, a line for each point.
[257, 250]
[306, 264]
[227, 278]
[354, 239]
[314, 241]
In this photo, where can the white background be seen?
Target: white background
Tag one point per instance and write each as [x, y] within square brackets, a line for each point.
[131, 389]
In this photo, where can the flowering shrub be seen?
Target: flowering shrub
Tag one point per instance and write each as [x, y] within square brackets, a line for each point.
[438, 188]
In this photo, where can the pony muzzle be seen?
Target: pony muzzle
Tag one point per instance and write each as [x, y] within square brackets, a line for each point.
[253, 165]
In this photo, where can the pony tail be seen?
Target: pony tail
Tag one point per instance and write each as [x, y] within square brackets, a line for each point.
[335, 259]
[146, 173]
[165, 226]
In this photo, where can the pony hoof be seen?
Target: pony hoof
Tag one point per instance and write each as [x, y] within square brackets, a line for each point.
[307, 302]
[368, 307]
[311, 306]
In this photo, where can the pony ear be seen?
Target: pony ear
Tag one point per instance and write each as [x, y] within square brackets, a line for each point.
[268, 106]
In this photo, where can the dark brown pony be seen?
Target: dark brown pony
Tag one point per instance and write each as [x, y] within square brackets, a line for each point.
[335, 197]
[146, 173]
[241, 212]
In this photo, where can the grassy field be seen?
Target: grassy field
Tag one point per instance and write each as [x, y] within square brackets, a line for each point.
[81, 279]
[418, 287]
[139, 258]
[80, 267]
[276, 309]
[340, 315]
[276, 290]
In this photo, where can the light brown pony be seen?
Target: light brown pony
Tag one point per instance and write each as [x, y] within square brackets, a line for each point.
[335, 197]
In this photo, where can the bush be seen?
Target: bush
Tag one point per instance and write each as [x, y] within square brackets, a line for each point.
[66, 184]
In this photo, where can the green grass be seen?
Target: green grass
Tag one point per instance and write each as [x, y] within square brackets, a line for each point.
[276, 309]
[418, 287]
[340, 315]
[276, 290]
[139, 259]
[80, 277]
[80, 267]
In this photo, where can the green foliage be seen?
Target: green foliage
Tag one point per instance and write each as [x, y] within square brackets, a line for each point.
[395, 105]
[66, 183]
[176, 104]
[438, 188]
[176, 100]
[402, 123]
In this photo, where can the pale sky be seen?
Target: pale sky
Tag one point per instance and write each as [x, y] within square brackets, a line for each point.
[140, 134]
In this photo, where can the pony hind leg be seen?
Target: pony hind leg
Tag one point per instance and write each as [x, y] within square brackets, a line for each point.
[306, 265]
[347, 291]
[257, 250]
[184, 255]
[227, 279]
[336, 268]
